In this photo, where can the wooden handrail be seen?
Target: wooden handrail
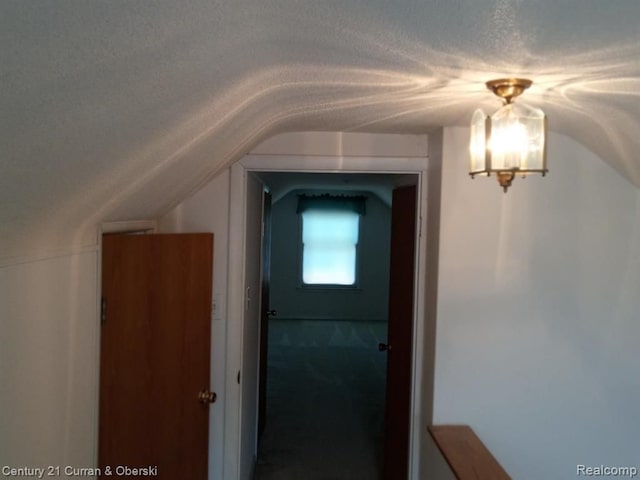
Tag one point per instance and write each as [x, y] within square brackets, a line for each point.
[467, 456]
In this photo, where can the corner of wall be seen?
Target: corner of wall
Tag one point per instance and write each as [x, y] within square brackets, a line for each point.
[434, 191]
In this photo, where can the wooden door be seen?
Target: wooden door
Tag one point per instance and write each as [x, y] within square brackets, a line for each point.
[155, 350]
[400, 333]
[265, 311]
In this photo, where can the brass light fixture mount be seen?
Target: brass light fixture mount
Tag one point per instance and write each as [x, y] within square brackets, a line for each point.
[505, 179]
[508, 88]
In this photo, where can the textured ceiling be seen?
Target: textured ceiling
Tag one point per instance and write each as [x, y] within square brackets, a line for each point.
[119, 109]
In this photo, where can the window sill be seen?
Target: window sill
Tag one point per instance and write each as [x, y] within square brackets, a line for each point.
[329, 288]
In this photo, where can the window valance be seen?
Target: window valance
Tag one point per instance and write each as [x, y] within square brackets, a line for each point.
[349, 203]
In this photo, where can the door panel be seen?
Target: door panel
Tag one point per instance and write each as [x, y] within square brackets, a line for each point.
[264, 311]
[155, 351]
[400, 333]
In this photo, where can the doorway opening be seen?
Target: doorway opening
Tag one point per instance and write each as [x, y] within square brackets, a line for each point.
[242, 338]
[324, 346]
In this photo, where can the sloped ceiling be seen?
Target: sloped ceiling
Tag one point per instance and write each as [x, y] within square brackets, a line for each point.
[120, 109]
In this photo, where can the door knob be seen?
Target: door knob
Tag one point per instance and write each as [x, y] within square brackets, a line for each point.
[272, 313]
[205, 396]
[383, 347]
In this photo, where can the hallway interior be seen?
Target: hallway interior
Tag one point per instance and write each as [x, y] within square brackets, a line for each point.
[325, 401]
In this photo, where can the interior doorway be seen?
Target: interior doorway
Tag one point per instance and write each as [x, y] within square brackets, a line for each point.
[239, 415]
[328, 344]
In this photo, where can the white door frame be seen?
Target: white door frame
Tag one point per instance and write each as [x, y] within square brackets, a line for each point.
[235, 300]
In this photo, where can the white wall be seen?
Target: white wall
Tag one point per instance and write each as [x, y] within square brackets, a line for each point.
[368, 302]
[48, 362]
[537, 333]
[432, 220]
[208, 211]
[339, 144]
[435, 465]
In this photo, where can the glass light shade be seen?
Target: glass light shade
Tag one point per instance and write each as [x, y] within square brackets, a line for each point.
[478, 144]
[517, 139]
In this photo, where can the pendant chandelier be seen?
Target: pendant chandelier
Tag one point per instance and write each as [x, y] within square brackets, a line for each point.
[512, 141]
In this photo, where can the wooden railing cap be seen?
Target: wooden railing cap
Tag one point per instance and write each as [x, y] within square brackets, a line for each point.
[467, 456]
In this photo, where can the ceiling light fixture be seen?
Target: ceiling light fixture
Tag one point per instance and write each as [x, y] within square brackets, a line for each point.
[512, 141]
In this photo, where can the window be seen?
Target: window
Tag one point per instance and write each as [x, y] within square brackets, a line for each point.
[330, 225]
[329, 241]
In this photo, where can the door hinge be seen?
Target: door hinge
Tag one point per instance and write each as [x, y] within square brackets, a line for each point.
[103, 311]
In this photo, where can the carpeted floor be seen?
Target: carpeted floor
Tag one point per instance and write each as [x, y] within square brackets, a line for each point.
[325, 401]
